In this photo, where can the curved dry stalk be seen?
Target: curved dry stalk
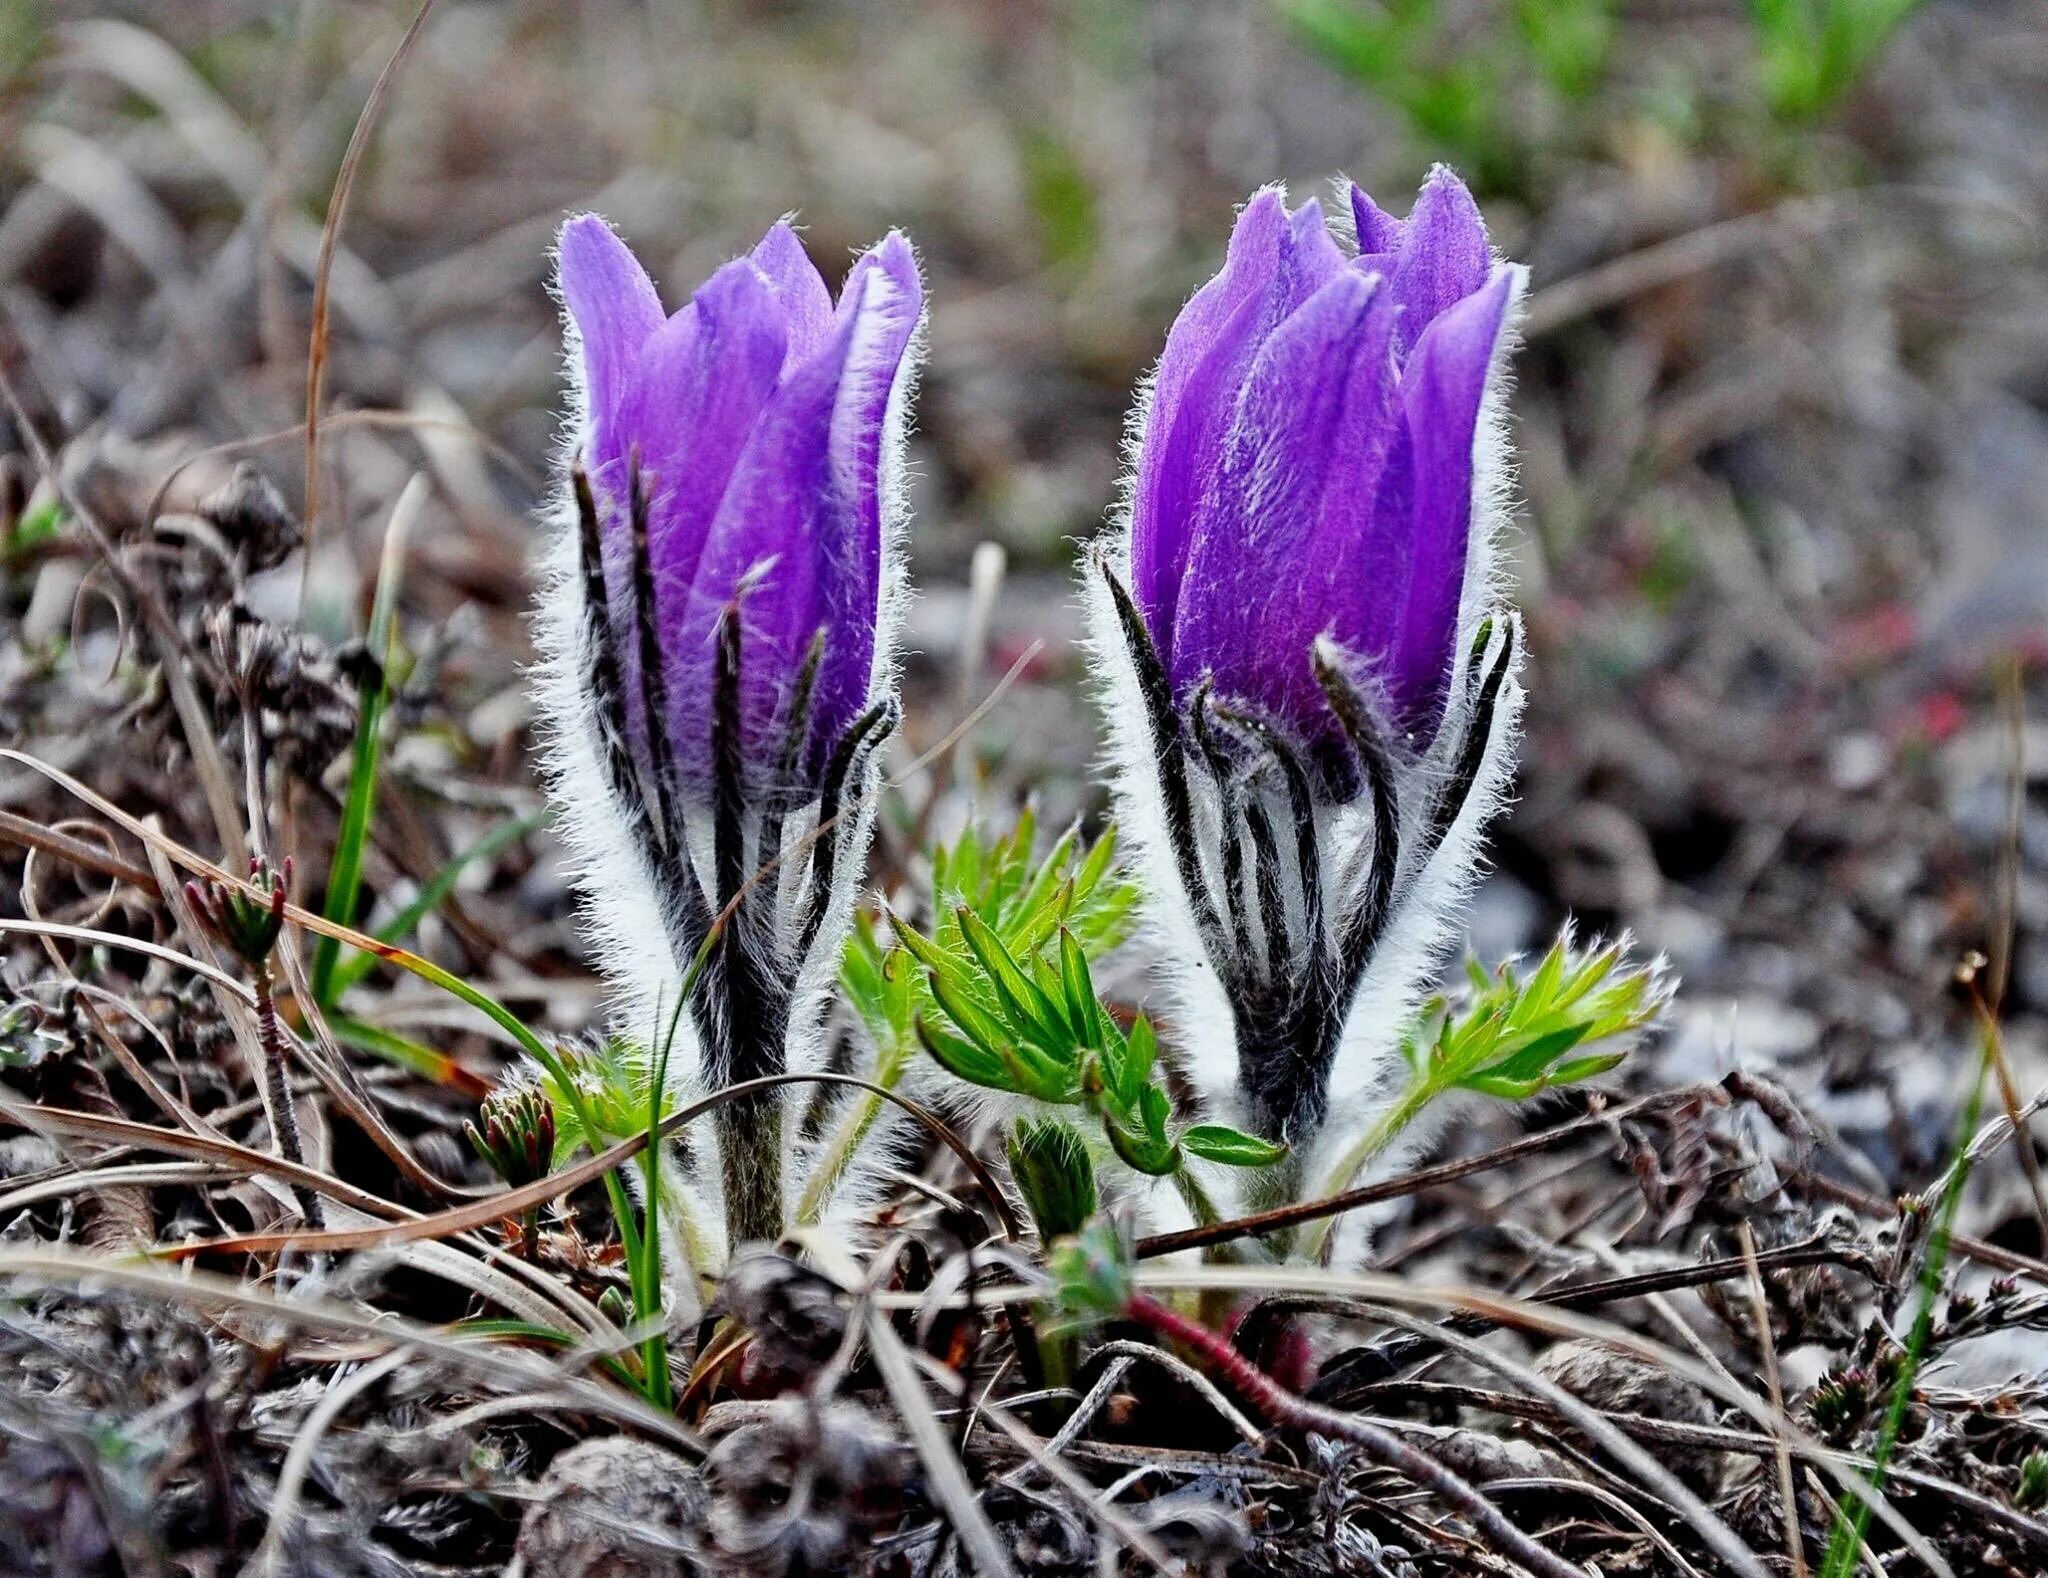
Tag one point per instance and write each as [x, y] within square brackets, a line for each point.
[323, 272]
[510, 1202]
[213, 973]
[117, 1177]
[1190, 1377]
[40, 1119]
[351, 1100]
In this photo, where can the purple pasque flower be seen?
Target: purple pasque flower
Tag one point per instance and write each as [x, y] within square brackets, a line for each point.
[751, 421]
[1306, 464]
[720, 673]
[1310, 666]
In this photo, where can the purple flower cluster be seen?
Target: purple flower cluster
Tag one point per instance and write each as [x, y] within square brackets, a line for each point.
[1313, 690]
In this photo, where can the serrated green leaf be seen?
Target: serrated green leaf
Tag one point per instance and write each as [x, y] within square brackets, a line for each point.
[1214, 1142]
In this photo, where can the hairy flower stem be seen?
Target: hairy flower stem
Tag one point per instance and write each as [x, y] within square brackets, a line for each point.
[1321, 1236]
[1290, 1412]
[284, 1118]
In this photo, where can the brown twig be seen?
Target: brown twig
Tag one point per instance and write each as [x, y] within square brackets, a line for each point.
[1412, 1182]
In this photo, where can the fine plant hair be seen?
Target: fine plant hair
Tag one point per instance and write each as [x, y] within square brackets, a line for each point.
[742, 898]
[1232, 856]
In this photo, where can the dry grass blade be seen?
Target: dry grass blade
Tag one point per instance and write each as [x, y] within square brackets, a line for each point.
[323, 273]
[509, 1202]
[43, 1119]
[1045, 1456]
[321, 1316]
[1760, 1312]
[945, 1474]
[298, 1461]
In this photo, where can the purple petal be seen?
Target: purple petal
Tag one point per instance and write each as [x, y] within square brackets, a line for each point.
[1441, 391]
[806, 303]
[1379, 232]
[700, 383]
[882, 302]
[1443, 257]
[612, 303]
[800, 525]
[1267, 575]
[1190, 403]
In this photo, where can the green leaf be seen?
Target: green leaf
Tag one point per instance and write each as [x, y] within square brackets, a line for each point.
[1155, 1109]
[1040, 1075]
[345, 872]
[1586, 1068]
[1215, 1143]
[1531, 1060]
[976, 1020]
[1022, 998]
[1504, 1089]
[1083, 1012]
[965, 1060]
[1153, 1156]
[1142, 1053]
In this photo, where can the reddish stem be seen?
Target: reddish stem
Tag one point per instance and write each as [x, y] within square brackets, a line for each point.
[1290, 1412]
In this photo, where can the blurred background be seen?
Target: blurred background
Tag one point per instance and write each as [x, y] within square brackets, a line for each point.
[1782, 419]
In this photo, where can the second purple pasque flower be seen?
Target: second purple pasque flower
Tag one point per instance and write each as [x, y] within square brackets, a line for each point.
[1311, 677]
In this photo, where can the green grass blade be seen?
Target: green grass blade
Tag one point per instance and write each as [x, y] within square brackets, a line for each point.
[1845, 1541]
[434, 894]
[345, 876]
